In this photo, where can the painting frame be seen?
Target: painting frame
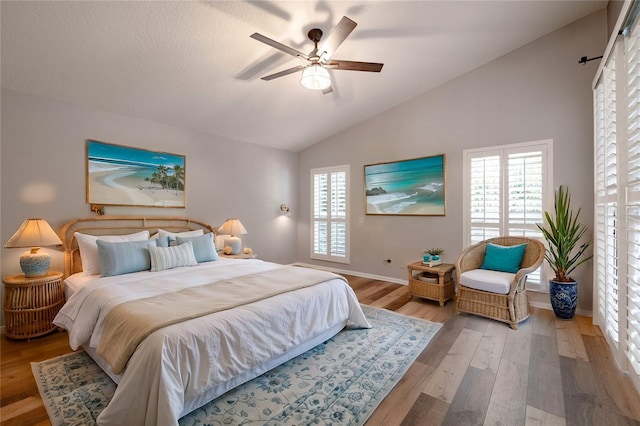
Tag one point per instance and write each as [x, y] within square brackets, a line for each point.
[412, 187]
[120, 175]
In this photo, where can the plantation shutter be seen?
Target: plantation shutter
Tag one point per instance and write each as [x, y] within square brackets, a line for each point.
[329, 214]
[525, 192]
[606, 202]
[484, 198]
[632, 47]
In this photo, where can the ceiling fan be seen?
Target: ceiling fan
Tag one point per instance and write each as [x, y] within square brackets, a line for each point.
[315, 64]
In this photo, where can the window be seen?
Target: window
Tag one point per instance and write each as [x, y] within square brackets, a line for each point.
[330, 214]
[506, 190]
[617, 195]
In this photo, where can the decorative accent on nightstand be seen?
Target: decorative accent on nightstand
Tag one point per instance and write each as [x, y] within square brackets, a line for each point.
[30, 304]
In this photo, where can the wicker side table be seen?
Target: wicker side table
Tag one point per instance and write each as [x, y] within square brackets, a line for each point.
[30, 304]
[442, 289]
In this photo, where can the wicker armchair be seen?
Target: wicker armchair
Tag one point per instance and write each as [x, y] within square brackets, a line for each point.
[512, 307]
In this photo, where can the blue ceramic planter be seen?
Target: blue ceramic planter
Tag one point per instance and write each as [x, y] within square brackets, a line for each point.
[564, 298]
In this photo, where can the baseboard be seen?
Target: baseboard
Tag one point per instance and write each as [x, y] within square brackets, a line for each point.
[355, 273]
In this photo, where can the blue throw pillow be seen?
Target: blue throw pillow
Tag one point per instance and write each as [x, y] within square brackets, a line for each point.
[124, 257]
[163, 241]
[503, 258]
[203, 247]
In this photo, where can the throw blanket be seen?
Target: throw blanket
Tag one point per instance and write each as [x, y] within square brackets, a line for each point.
[126, 325]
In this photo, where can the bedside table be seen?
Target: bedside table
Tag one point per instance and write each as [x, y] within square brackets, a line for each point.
[30, 304]
[440, 285]
[238, 256]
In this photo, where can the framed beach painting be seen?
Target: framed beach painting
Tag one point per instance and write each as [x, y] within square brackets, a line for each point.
[408, 187]
[124, 176]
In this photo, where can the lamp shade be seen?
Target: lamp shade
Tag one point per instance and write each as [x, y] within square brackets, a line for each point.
[315, 77]
[232, 227]
[34, 233]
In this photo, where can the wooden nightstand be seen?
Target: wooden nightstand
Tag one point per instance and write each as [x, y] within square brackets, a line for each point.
[238, 256]
[30, 304]
[441, 289]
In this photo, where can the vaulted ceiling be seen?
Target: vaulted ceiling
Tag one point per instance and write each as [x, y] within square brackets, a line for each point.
[193, 64]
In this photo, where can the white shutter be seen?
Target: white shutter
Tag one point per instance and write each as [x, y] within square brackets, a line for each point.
[610, 203]
[484, 201]
[632, 198]
[617, 194]
[525, 193]
[329, 214]
[599, 250]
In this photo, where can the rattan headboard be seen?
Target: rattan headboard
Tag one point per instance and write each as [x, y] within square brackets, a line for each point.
[119, 225]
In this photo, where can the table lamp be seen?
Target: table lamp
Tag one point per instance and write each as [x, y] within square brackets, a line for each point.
[34, 233]
[233, 227]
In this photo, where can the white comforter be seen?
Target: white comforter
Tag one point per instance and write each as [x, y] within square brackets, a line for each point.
[183, 366]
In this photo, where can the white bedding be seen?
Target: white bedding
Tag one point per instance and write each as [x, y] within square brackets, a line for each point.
[183, 366]
[75, 282]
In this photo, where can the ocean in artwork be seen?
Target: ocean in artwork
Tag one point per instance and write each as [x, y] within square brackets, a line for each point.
[410, 187]
[129, 176]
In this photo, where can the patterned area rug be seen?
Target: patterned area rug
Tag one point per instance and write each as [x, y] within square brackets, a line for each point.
[339, 382]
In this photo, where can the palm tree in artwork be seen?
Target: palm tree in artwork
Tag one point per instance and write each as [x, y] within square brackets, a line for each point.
[163, 177]
[178, 173]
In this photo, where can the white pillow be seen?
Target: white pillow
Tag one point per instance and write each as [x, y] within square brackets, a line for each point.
[89, 248]
[172, 257]
[162, 233]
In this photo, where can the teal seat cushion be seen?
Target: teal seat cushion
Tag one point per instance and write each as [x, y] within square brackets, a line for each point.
[503, 258]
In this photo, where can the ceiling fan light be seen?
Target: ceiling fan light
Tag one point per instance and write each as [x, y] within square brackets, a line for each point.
[315, 77]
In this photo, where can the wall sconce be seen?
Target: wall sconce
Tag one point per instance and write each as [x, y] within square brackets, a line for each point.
[284, 208]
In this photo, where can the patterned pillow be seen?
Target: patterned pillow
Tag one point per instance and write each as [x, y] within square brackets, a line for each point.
[172, 257]
[124, 257]
[203, 247]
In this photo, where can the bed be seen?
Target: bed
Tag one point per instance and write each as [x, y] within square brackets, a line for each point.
[219, 322]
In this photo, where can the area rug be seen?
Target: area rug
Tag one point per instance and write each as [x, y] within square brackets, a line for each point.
[339, 382]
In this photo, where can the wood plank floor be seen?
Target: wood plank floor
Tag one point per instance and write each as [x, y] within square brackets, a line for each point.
[474, 372]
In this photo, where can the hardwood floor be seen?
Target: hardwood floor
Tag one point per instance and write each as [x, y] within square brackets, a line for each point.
[475, 371]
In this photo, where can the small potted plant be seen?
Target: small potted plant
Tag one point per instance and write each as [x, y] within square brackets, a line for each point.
[435, 253]
[432, 254]
[563, 233]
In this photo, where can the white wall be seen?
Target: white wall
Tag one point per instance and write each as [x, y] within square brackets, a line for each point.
[536, 92]
[43, 174]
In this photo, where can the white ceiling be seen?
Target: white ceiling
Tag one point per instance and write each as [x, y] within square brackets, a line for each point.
[193, 65]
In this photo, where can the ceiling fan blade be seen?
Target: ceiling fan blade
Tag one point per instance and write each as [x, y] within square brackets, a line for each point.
[338, 64]
[283, 73]
[281, 47]
[338, 34]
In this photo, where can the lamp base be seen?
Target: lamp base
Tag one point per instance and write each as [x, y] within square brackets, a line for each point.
[35, 264]
[235, 243]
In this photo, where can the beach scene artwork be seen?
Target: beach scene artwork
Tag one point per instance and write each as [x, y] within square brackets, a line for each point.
[125, 176]
[409, 187]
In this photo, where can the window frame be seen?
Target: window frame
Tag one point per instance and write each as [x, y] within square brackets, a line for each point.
[330, 220]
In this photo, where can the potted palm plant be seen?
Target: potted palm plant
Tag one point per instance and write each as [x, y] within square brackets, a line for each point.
[563, 233]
